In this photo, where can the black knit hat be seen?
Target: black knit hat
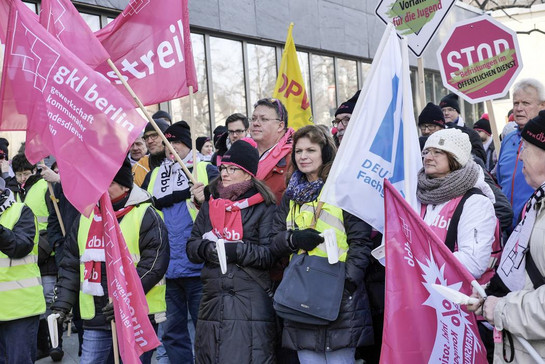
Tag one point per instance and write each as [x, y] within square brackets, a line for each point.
[483, 125]
[242, 154]
[431, 114]
[451, 100]
[201, 141]
[124, 175]
[179, 132]
[162, 115]
[218, 132]
[534, 131]
[4, 148]
[163, 125]
[347, 107]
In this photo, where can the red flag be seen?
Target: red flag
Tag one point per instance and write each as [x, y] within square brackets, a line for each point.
[150, 44]
[62, 19]
[420, 325]
[68, 110]
[134, 330]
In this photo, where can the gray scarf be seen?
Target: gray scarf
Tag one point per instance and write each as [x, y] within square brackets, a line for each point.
[435, 191]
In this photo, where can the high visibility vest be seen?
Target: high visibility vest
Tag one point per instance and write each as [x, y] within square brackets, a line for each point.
[130, 228]
[301, 216]
[21, 291]
[202, 176]
[35, 199]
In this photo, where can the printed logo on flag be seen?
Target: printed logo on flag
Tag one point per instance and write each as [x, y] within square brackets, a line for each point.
[58, 24]
[136, 6]
[32, 63]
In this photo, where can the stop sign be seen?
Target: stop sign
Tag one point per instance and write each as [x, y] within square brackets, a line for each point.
[479, 59]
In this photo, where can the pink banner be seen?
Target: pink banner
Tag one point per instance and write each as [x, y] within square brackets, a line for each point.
[150, 44]
[420, 325]
[135, 334]
[68, 110]
[62, 19]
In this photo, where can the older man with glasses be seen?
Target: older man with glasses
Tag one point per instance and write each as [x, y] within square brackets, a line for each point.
[156, 150]
[237, 128]
[342, 117]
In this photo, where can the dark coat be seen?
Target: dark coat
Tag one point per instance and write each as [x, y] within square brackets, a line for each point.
[154, 258]
[18, 242]
[353, 327]
[236, 318]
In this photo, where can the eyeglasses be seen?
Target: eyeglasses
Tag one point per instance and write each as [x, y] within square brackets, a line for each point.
[229, 169]
[433, 152]
[262, 120]
[151, 136]
[236, 132]
[343, 121]
[430, 127]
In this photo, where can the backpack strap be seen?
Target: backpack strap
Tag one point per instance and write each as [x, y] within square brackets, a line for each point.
[535, 276]
[452, 232]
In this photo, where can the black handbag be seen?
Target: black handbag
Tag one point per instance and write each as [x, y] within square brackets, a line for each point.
[311, 290]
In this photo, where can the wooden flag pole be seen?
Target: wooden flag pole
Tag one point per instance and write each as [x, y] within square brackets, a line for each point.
[152, 122]
[421, 83]
[493, 126]
[56, 206]
[193, 132]
[114, 340]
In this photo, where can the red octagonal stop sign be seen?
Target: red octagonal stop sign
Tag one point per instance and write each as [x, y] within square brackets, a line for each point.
[480, 59]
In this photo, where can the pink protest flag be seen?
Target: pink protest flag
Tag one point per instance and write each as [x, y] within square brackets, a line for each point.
[420, 325]
[134, 330]
[62, 19]
[68, 110]
[150, 44]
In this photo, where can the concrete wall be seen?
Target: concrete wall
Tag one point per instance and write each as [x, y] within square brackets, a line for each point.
[348, 27]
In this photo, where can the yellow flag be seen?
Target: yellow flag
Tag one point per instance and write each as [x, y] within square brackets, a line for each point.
[290, 87]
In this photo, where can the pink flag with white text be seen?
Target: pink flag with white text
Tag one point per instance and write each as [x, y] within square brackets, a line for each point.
[420, 325]
[135, 334]
[62, 19]
[67, 109]
[150, 44]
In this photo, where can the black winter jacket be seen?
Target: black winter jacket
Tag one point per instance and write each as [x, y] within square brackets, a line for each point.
[236, 318]
[154, 258]
[353, 327]
[19, 242]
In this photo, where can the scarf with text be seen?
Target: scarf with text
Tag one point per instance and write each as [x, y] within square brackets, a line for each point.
[513, 258]
[225, 216]
[171, 177]
[93, 254]
[273, 156]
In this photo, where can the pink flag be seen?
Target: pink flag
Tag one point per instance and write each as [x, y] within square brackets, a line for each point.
[61, 19]
[420, 326]
[68, 110]
[150, 44]
[135, 334]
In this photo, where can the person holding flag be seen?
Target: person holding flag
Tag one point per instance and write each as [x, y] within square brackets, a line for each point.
[83, 270]
[312, 156]
[516, 293]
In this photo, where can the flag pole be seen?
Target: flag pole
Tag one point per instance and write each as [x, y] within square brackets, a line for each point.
[151, 121]
[114, 339]
[193, 132]
[56, 206]
[421, 83]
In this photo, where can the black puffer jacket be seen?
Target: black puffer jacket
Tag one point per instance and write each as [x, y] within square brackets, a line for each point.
[353, 327]
[236, 319]
[154, 258]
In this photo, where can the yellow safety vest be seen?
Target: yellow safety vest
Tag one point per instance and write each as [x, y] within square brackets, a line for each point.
[331, 217]
[202, 176]
[21, 291]
[130, 228]
[35, 199]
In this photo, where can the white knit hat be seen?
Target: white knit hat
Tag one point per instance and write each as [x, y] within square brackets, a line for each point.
[453, 141]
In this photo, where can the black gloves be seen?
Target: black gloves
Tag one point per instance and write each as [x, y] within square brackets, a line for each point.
[62, 316]
[209, 252]
[307, 239]
[231, 252]
[108, 312]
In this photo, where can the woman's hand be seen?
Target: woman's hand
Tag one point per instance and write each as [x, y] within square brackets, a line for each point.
[488, 308]
[197, 190]
[307, 239]
[49, 175]
[476, 307]
[4, 165]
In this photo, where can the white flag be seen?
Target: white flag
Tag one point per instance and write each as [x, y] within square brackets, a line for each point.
[381, 140]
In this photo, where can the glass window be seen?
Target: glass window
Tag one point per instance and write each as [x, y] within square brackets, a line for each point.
[92, 20]
[364, 69]
[262, 72]
[303, 64]
[32, 7]
[430, 87]
[440, 90]
[180, 107]
[347, 79]
[227, 78]
[323, 89]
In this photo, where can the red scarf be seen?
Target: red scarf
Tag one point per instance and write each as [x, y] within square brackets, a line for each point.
[226, 218]
[93, 254]
[278, 152]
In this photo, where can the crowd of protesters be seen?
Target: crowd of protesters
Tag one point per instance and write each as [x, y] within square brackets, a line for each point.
[257, 192]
